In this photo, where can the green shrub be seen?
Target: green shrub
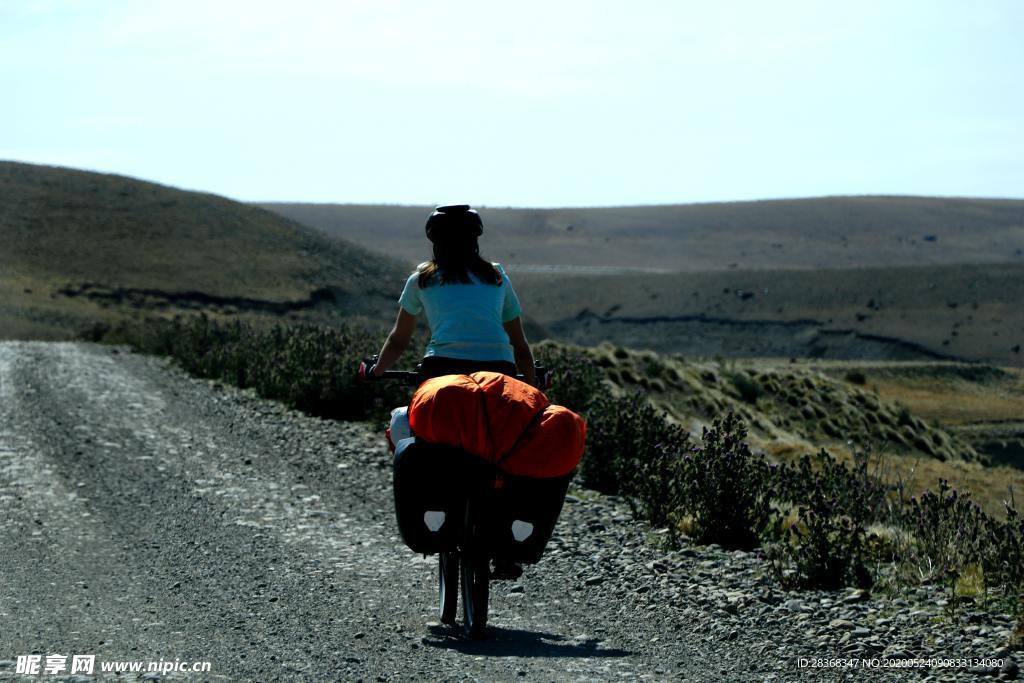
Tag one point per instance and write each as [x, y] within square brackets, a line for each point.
[652, 366]
[1002, 557]
[749, 390]
[309, 368]
[904, 418]
[622, 434]
[856, 377]
[854, 491]
[726, 489]
[947, 535]
[951, 537]
[657, 486]
[578, 379]
[827, 546]
[1005, 556]
[824, 548]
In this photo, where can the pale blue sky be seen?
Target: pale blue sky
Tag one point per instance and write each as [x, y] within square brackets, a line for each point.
[525, 103]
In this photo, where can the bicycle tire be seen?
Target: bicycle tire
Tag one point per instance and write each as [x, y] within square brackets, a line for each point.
[448, 588]
[475, 574]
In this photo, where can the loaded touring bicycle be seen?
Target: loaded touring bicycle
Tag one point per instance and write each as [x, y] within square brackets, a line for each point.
[472, 507]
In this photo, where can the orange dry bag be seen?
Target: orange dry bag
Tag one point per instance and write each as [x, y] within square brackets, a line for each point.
[506, 422]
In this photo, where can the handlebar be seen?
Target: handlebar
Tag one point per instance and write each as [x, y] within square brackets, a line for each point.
[543, 375]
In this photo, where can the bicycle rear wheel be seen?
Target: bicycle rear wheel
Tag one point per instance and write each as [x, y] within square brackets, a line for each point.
[448, 578]
[475, 572]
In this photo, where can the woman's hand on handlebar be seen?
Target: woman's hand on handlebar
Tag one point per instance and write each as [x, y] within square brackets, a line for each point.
[368, 369]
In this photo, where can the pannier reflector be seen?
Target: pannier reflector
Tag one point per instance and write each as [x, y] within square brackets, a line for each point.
[521, 530]
[434, 519]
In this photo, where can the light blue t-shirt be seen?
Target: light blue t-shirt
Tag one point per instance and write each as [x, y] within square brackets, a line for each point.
[465, 319]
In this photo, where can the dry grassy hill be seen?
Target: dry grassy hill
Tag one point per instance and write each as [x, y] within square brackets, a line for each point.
[80, 246]
[839, 277]
[967, 312]
[828, 232]
[922, 421]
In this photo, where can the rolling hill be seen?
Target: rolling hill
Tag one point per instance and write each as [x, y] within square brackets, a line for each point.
[80, 246]
[899, 278]
[921, 421]
[828, 232]
[968, 312]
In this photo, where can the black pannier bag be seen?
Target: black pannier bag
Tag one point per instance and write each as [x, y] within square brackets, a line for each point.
[432, 484]
[524, 514]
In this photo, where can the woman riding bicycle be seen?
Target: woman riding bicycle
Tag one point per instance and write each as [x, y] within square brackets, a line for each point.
[462, 504]
[471, 308]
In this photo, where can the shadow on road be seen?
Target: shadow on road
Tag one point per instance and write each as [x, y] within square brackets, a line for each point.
[508, 642]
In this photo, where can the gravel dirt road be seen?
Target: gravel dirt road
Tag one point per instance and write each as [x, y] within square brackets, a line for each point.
[148, 515]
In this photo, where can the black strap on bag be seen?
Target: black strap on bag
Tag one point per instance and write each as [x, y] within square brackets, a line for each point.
[534, 421]
[487, 420]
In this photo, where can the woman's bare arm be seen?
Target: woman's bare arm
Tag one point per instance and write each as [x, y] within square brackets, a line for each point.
[521, 348]
[397, 341]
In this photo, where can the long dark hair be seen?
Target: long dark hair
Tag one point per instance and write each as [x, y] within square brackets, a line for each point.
[454, 260]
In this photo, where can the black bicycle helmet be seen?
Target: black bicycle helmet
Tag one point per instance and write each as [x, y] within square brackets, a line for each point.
[452, 221]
